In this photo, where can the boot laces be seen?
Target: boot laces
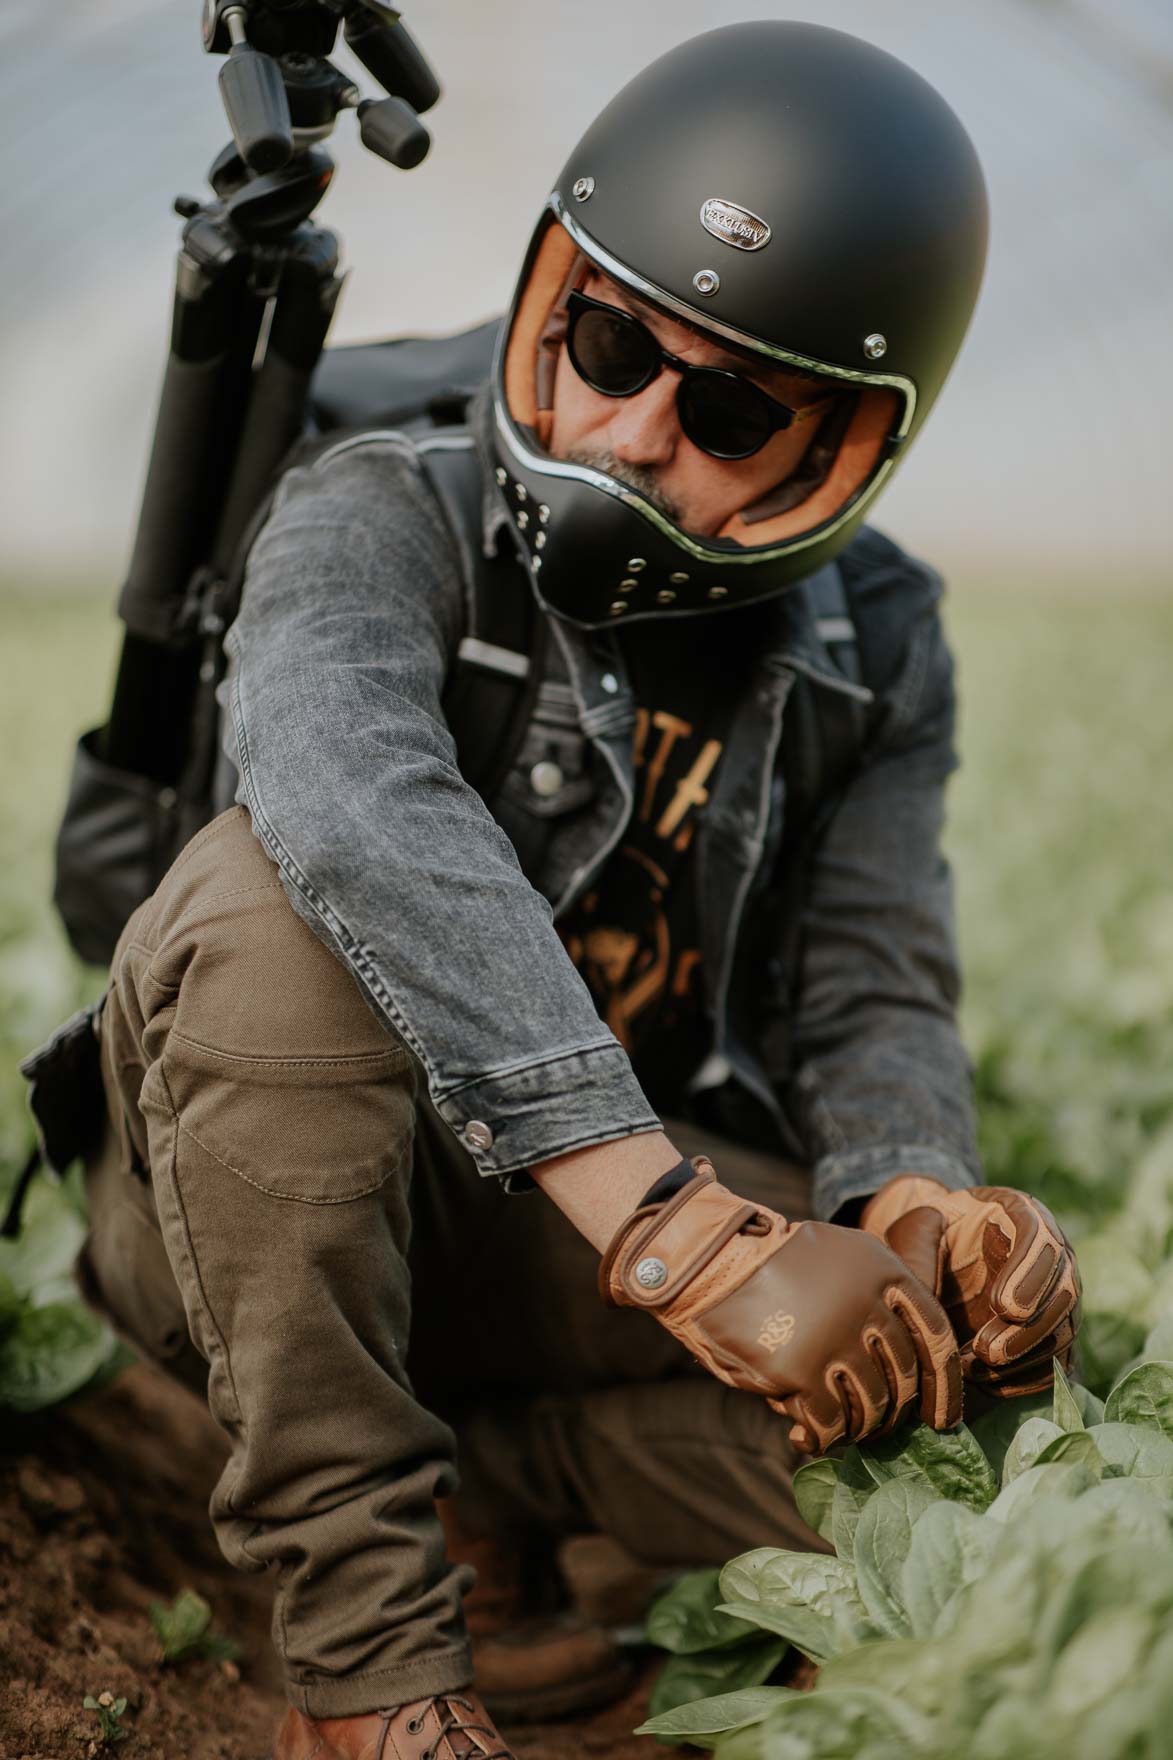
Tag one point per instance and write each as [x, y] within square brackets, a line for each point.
[451, 1725]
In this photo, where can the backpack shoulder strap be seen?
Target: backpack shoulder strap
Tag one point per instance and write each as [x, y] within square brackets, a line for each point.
[834, 623]
[490, 693]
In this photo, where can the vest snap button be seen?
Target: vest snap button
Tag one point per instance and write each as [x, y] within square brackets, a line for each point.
[546, 777]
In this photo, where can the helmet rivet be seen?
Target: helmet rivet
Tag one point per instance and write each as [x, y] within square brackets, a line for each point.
[536, 564]
[718, 592]
[540, 540]
[618, 606]
[628, 586]
[544, 513]
[665, 596]
[875, 345]
[706, 281]
[502, 475]
[678, 579]
[635, 564]
[584, 188]
[522, 520]
[522, 492]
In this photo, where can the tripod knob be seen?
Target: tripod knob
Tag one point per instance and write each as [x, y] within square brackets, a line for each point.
[392, 129]
[258, 109]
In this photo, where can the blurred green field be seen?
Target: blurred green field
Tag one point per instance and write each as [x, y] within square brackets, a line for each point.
[1060, 833]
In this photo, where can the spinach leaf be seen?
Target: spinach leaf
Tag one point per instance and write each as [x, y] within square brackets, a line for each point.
[1061, 1479]
[855, 1485]
[950, 1463]
[1132, 1513]
[1108, 1342]
[843, 1725]
[49, 1352]
[1143, 1396]
[1027, 1446]
[995, 1430]
[804, 1596]
[704, 1719]
[882, 1541]
[814, 1492]
[1158, 1346]
[684, 1619]
[1073, 1445]
[685, 1680]
[1137, 1452]
[1066, 1411]
[951, 1547]
[39, 1263]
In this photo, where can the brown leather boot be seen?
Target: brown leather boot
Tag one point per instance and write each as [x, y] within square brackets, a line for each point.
[529, 1666]
[452, 1726]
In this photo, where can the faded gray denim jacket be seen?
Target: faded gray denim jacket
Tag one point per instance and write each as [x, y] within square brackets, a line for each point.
[835, 1028]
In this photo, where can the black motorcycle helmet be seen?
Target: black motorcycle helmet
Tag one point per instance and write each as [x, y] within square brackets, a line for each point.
[791, 192]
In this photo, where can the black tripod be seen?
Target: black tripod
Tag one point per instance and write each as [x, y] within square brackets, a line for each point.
[255, 290]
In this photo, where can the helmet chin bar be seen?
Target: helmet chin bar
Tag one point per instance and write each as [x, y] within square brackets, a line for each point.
[599, 552]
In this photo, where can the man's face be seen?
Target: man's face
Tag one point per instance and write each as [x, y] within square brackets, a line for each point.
[639, 439]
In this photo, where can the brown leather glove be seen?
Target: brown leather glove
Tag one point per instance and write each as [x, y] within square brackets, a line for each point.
[1002, 1268]
[834, 1332]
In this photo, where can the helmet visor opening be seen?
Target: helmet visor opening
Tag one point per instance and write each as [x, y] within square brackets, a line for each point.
[850, 436]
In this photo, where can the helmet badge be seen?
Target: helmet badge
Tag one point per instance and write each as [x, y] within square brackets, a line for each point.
[734, 225]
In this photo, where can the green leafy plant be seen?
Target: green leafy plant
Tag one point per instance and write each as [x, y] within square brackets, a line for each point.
[108, 1710]
[1009, 1603]
[184, 1630]
[51, 1344]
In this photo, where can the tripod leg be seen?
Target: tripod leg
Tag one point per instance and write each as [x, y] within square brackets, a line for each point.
[215, 322]
[302, 309]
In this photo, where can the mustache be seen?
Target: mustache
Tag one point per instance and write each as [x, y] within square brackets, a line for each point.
[632, 476]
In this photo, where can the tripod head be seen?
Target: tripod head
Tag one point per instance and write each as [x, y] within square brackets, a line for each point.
[282, 93]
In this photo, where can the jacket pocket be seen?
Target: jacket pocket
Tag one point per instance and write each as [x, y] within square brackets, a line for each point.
[551, 778]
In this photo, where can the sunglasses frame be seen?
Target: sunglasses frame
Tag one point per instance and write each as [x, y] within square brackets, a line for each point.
[779, 415]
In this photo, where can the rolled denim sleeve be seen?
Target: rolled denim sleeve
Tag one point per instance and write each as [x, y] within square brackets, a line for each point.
[350, 618]
[882, 1083]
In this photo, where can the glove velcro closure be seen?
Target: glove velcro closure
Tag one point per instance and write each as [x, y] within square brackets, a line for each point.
[680, 1237]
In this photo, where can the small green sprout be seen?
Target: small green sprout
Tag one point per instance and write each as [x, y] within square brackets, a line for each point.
[183, 1630]
[109, 1710]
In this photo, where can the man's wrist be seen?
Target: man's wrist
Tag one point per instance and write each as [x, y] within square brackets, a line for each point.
[599, 1187]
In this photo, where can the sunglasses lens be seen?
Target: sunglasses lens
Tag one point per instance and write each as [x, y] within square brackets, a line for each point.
[723, 414]
[611, 352]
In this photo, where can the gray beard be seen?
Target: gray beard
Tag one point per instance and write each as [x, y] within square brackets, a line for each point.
[634, 476]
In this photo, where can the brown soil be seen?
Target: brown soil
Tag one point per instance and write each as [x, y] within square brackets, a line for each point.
[103, 1509]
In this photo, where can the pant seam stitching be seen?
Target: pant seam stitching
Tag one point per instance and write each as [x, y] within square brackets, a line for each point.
[353, 1057]
[281, 1197]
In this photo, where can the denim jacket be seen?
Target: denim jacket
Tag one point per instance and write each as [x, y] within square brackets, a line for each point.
[829, 961]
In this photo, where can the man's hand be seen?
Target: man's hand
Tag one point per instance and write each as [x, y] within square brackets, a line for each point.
[1001, 1267]
[824, 1321]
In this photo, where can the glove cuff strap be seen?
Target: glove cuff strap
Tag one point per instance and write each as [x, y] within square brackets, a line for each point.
[658, 1251]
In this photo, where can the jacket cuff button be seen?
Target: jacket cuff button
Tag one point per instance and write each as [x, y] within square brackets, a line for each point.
[478, 1135]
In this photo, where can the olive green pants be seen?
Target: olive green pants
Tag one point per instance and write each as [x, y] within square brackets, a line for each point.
[280, 1218]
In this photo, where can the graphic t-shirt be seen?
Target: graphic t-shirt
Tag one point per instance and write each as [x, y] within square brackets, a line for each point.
[635, 935]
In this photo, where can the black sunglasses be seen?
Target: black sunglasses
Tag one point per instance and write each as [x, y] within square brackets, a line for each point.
[724, 414]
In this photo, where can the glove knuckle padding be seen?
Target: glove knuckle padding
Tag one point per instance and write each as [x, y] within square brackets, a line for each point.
[1006, 1274]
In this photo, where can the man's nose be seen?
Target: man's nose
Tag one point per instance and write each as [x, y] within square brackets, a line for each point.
[645, 429]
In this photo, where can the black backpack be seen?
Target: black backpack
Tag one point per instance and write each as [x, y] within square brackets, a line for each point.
[121, 831]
